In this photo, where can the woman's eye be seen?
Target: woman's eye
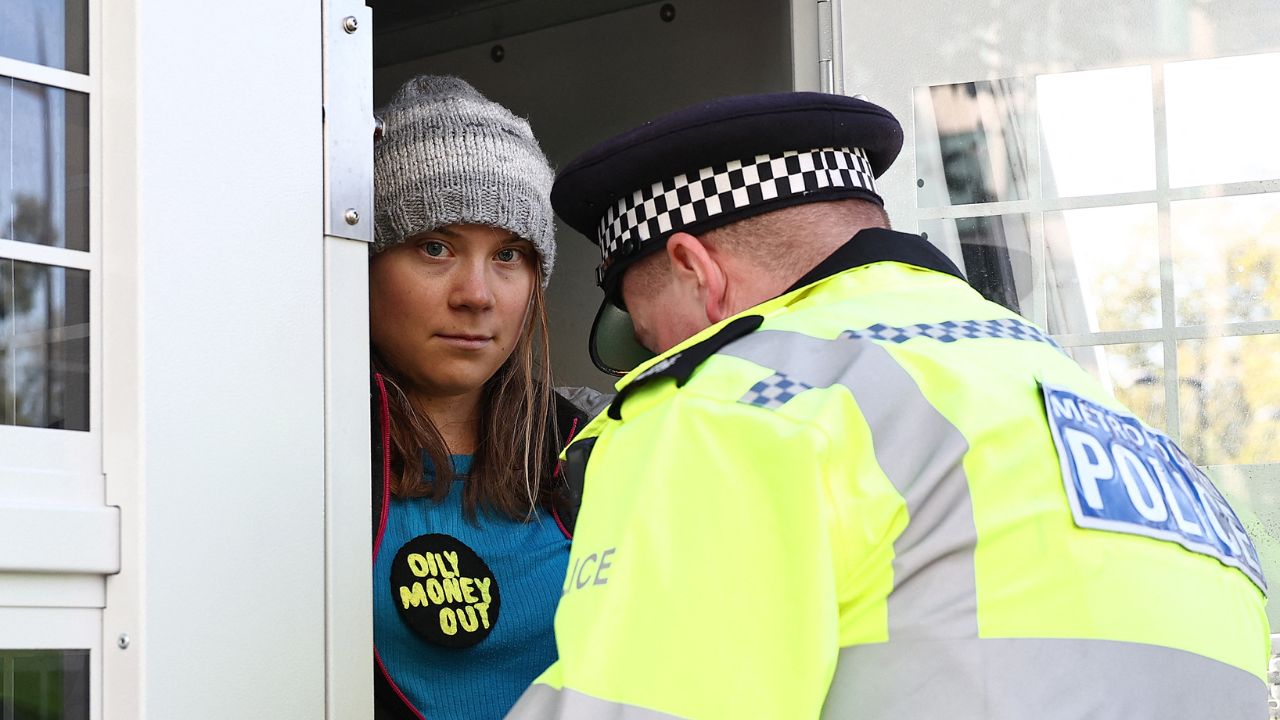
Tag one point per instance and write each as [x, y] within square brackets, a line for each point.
[434, 249]
[507, 255]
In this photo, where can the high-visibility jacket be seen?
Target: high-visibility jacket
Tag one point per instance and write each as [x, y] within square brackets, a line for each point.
[881, 496]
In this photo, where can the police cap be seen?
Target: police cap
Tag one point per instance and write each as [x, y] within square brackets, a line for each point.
[709, 165]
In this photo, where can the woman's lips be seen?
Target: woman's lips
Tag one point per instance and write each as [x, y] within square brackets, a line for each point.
[466, 342]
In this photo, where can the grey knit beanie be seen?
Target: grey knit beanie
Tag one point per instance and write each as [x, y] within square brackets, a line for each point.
[448, 155]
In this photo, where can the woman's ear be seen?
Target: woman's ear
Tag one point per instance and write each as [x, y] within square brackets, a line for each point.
[696, 271]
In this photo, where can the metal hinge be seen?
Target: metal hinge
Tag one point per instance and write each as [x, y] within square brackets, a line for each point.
[830, 73]
[348, 119]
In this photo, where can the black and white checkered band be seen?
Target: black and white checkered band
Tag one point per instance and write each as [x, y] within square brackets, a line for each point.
[684, 200]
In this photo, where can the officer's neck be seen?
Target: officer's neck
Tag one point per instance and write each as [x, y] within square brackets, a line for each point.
[751, 282]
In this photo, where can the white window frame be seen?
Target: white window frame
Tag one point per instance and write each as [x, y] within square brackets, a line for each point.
[61, 538]
[63, 467]
[28, 628]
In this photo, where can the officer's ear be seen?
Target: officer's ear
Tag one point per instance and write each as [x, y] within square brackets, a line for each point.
[696, 269]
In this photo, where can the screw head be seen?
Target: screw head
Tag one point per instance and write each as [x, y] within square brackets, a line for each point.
[122, 642]
[497, 53]
[351, 216]
[350, 24]
[667, 12]
[920, 182]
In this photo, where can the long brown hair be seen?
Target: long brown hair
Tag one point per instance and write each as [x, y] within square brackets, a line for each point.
[517, 438]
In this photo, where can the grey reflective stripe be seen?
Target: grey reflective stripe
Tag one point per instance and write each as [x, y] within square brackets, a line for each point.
[921, 452]
[1047, 679]
[543, 702]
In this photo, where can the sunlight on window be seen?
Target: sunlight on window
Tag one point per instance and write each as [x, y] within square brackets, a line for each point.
[1226, 259]
[1222, 120]
[1103, 267]
[1229, 399]
[1097, 132]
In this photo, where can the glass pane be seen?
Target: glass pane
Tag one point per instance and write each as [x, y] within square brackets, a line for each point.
[1229, 399]
[1226, 259]
[46, 32]
[6, 385]
[971, 142]
[44, 337]
[1221, 120]
[44, 165]
[996, 254]
[1133, 373]
[1097, 132]
[1103, 269]
[44, 684]
[1254, 493]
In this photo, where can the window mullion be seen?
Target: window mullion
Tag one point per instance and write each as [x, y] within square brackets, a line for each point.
[47, 255]
[1164, 234]
[45, 75]
[1035, 218]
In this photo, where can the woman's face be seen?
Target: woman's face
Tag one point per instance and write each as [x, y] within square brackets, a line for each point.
[447, 307]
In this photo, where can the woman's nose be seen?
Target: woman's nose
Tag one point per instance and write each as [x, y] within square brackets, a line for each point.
[473, 288]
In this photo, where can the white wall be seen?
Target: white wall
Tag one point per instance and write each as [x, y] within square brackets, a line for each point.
[214, 358]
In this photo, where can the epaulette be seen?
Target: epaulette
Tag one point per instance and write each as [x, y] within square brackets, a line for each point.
[680, 366]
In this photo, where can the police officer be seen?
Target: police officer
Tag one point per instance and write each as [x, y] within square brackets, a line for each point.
[848, 486]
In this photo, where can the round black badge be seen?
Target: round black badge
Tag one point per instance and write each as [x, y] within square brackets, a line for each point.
[444, 591]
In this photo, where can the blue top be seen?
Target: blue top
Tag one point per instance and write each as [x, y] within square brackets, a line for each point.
[528, 560]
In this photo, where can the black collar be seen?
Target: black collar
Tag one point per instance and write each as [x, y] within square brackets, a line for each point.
[868, 246]
[877, 245]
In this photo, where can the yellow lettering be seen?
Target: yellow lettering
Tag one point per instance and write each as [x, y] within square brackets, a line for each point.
[467, 584]
[483, 584]
[483, 608]
[441, 566]
[470, 614]
[452, 557]
[415, 597]
[448, 621]
[418, 565]
[435, 591]
[452, 592]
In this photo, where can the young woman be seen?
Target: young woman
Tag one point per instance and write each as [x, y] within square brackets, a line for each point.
[470, 517]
